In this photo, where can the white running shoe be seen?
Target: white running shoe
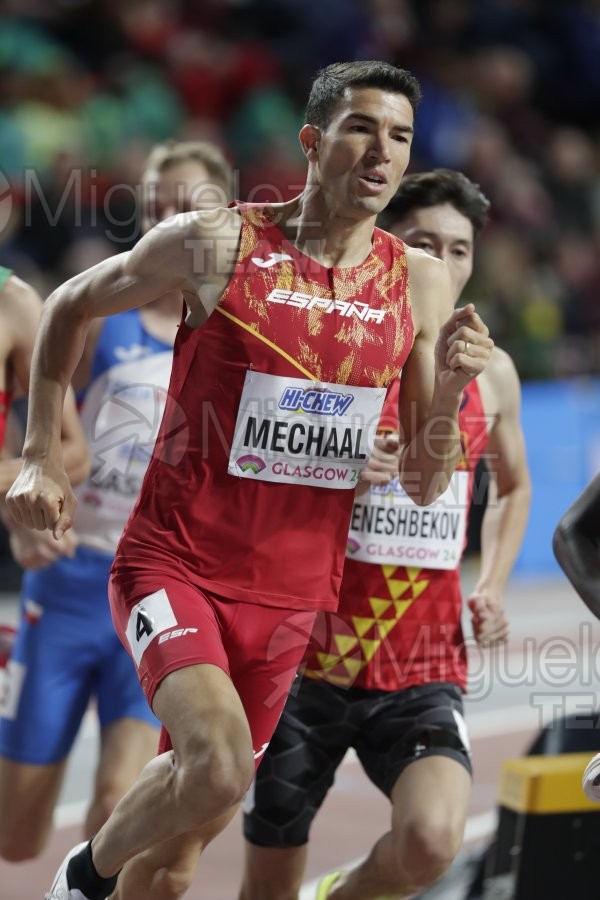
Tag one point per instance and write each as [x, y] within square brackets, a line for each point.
[591, 779]
[60, 890]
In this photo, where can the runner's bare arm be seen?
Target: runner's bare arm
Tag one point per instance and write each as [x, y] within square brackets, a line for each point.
[577, 545]
[451, 347]
[509, 496]
[193, 253]
[21, 309]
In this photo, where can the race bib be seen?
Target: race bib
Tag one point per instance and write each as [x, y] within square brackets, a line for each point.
[121, 416]
[295, 431]
[387, 528]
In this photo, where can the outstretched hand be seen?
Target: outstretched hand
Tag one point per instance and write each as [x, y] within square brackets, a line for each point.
[41, 497]
[463, 348]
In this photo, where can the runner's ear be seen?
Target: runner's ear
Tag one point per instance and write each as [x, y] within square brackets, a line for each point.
[309, 140]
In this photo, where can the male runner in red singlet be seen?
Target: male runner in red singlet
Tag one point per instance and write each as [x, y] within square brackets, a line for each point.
[385, 674]
[576, 545]
[298, 318]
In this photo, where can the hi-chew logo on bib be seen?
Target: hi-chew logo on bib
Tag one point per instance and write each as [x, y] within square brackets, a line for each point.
[387, 528]
[297, 431]
[315, 400]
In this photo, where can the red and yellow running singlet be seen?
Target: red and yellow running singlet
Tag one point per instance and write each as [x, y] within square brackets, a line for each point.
[400, 625]
[266, 420]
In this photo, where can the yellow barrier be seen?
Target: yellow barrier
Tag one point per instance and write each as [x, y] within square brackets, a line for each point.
[547, 844]
[545, 784]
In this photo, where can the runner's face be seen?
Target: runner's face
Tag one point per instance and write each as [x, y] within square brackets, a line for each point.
[364, 151]
[182, 187]
[444, 232]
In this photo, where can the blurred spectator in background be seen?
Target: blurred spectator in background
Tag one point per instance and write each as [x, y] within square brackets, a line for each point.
[511, 96]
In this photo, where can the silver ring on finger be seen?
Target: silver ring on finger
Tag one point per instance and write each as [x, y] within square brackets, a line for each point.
[467, 348]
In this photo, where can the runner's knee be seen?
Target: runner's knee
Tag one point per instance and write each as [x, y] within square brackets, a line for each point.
[424, 849]
[217, 768]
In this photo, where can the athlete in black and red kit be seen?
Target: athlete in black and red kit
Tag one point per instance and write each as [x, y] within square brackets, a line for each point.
[386, 673]
[239, 535]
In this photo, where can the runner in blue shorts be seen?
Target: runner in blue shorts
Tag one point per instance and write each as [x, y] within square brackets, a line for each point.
[67, 652]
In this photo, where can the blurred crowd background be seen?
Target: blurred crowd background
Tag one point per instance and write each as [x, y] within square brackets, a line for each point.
[511, 96]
